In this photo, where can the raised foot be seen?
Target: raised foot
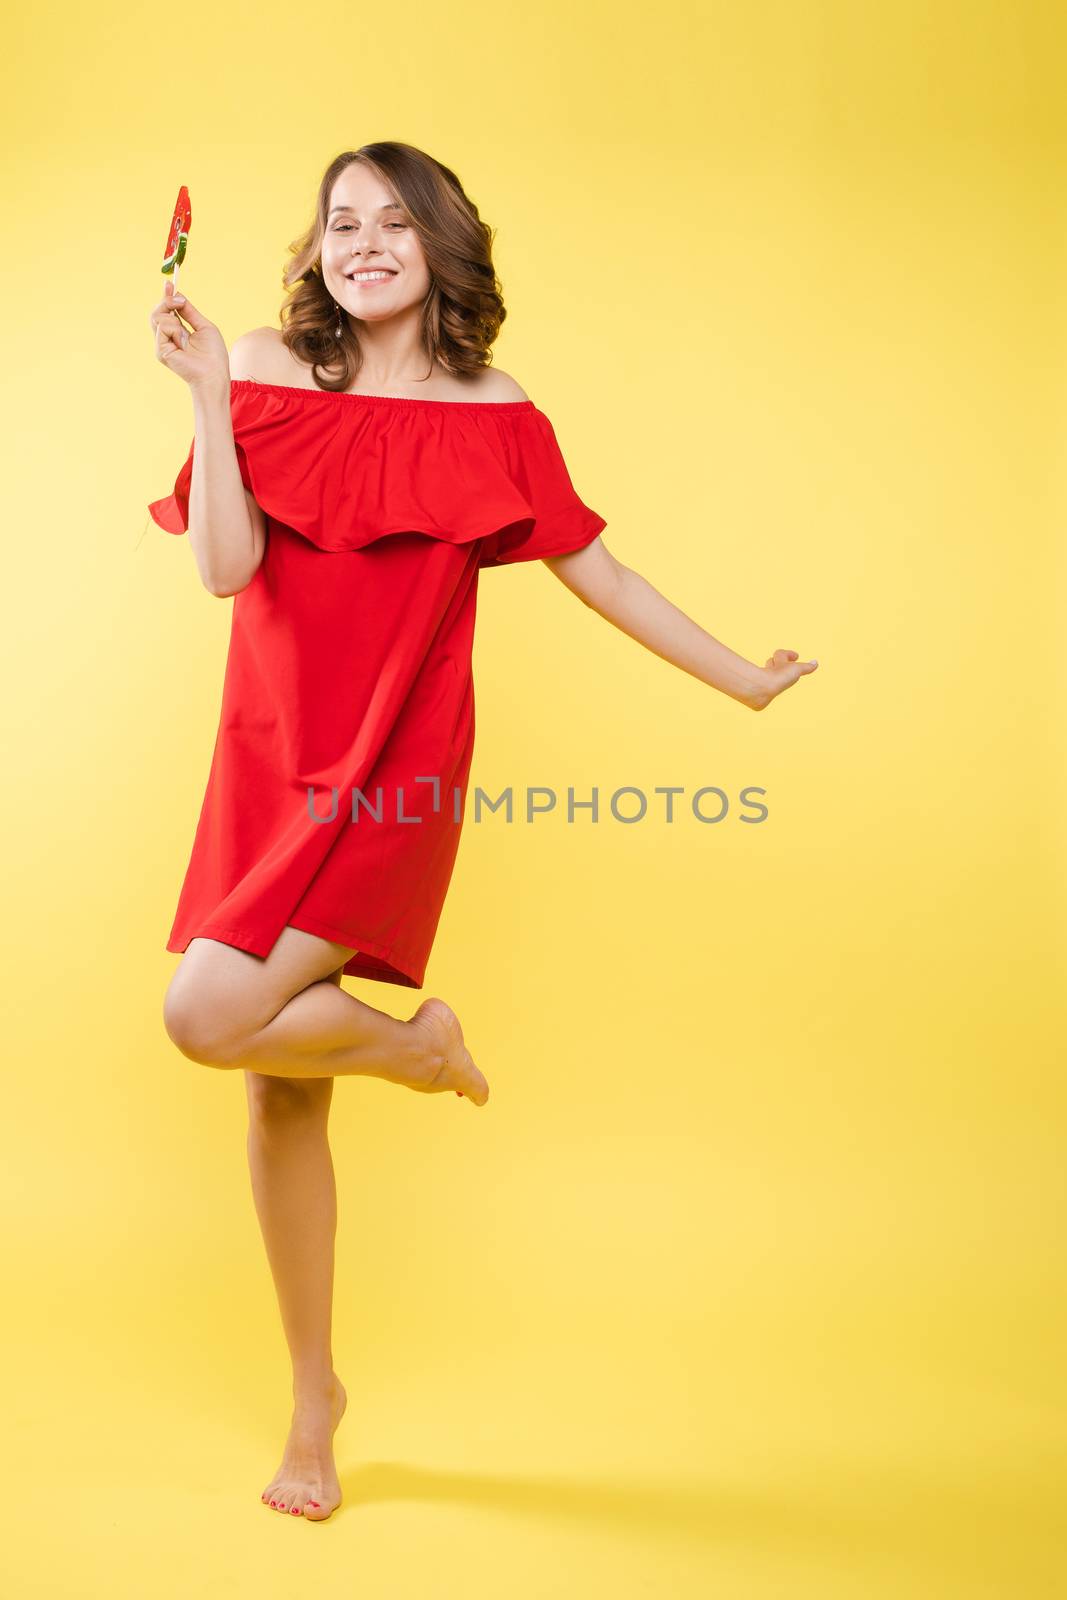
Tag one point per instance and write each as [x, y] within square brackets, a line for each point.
[306, 1483]
[444, 1062]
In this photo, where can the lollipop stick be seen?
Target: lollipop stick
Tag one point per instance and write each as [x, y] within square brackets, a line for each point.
[175, 277]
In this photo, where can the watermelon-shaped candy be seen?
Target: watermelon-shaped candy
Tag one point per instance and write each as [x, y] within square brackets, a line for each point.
[178, 237]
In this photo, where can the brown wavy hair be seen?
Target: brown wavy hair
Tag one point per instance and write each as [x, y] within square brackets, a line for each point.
[463, 310]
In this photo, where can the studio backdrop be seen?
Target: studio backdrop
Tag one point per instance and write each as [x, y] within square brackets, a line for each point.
[747, 1279]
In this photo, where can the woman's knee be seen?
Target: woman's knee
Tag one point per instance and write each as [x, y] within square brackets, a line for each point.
[195, 1026]
[211, 1008]
[205, 1009]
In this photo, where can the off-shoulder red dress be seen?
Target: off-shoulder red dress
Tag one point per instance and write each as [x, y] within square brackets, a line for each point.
[337, 788]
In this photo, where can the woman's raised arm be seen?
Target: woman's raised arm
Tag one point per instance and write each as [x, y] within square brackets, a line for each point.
[227, 536]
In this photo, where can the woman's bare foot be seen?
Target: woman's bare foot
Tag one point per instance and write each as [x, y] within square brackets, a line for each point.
[446, 1062]
[306, 1483]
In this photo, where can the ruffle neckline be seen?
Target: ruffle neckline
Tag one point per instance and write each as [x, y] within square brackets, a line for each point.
[342, 470]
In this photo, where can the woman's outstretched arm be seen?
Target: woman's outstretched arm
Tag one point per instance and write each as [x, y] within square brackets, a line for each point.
[628, 600]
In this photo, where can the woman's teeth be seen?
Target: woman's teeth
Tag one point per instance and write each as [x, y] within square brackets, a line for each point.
[370, 277]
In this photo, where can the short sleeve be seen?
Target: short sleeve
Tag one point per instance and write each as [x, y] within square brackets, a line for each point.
[172, 512]
[561, 521]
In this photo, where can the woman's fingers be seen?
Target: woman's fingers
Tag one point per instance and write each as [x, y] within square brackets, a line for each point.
[165, 308]
[170, 336]
[191, 315]
[776, 664]
[170, 323]
[200, 346]
[170, 333]
[171, 304]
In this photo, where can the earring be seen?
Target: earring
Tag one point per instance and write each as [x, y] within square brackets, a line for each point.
[337, 330]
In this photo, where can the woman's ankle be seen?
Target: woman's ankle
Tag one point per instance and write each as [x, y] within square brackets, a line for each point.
[315, 1383]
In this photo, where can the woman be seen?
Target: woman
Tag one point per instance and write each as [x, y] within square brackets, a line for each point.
[349, 477]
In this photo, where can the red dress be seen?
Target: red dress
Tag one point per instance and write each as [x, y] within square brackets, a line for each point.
[336, 793]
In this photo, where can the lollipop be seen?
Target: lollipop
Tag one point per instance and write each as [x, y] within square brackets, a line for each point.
[178, 237]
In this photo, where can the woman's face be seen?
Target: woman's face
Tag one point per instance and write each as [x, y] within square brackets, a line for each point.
[366, 230]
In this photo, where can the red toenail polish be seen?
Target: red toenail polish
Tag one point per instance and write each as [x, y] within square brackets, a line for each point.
[314, 1503]
[294, 1511]
[460, 1093]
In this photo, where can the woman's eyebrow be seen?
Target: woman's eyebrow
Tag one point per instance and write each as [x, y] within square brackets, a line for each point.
[391, 207]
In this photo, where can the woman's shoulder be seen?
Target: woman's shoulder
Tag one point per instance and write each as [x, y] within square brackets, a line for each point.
[260, 356]
[496, 385]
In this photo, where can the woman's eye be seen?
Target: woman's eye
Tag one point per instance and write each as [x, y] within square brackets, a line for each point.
[343, 226]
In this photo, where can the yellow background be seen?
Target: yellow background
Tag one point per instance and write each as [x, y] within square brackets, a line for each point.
[747, 1281]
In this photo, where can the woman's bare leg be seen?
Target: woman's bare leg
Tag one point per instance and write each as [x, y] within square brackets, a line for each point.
[296, 1201]
[226, 1008]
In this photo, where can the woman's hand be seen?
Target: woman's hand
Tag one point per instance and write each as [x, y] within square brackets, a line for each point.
[781, 672]
[199, 356]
